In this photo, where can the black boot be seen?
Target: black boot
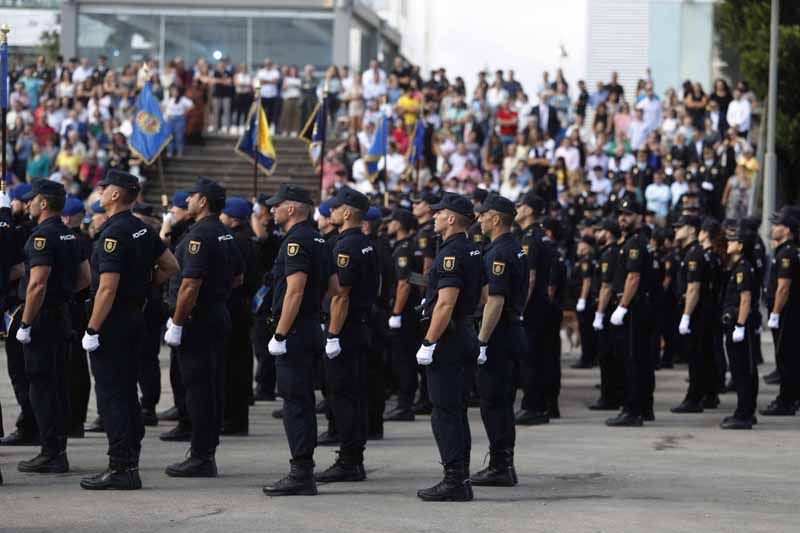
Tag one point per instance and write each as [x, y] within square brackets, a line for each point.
[342, 471]
[399, 414]
[277, 413]
[18, 438]
[778, 408]
[169, 415]
[532, 418]
[455, 487]
[328, 439]
[422, 407]
[195, 465]
[96, 426]
[46, 464]
[499, 473]
[262, 395]
[603, 405]
[180, 433]
[149, 417]
[688, 406]
[624, 419]
[117, 477]
[299, 482]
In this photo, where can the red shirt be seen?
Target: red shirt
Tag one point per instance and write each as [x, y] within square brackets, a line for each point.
[510, 114]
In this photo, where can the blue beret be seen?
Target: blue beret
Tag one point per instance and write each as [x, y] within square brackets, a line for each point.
[325, 208]
[237, 208]
[373, 213]
[97, 209]
[19, 191]
[72, 206]
[179, 199]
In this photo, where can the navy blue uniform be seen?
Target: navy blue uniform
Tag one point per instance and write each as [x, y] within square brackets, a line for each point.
[743, 365]
[406, 340]
[78, 379]
[586, 267]
[786, 265]
[531, 242]
[612, 369]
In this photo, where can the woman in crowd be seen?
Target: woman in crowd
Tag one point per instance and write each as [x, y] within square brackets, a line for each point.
[175, 108]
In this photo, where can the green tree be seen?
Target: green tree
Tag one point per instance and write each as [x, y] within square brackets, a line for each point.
[743, 27]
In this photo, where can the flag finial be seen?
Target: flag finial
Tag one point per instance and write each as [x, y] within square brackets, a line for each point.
[4, 29]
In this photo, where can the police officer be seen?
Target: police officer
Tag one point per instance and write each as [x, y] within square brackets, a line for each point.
[10, 262]
[348, 336]
[630, 322]
[502, 339]
[475, 233]
[211, 266]
[449, 344]
[124, 257]
[53, 273]
[783, 292]
[301, 276]
[585, 306]
[404, 321]
[738, 325]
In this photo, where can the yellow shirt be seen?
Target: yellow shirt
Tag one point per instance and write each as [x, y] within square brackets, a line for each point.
[409, 106]
[751, 165]
[68, 160]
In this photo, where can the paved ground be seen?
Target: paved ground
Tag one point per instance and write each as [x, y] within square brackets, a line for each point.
[680, 473]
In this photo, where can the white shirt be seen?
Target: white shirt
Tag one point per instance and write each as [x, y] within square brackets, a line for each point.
[571, 155]
[495, 97]
[601, 186]
[638, 133]
[81, 74]
[739, 114]
[626, 162]
[678, 189]
[177, 109]
[271, 75]
[372, 87]
[512, 192]
[652, 112]
[658, 198]
[291, 88]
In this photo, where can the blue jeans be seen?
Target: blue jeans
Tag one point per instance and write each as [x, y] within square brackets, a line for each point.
[177, 126]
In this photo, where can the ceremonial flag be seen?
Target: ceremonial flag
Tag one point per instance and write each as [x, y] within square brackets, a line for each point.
[378, 149]
[256, 144]
[315, 130]
[150, 134]
[4, 75]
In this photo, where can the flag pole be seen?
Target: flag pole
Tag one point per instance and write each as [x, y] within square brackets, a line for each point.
[416, 154]
[324, 111]
[256, 115]
[4, 29]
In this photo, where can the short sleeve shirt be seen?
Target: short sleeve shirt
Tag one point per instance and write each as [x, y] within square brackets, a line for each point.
[506, 270]
[357, 267]
[302, 250]
[458, 264]
[52, 244]
[742, 279]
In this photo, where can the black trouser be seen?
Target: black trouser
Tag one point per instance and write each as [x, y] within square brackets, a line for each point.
[15, 356]
[115, 366]
[612, 367]
[667, 320]
[79, 383]
[45, 366]
[588, 336]
[404, 344]
[546, 375]
[238, 366]
[631, 346]
[201, 354]
[694, 354]
[788, 340]
[758, 357]
[376, 363]
[260, 335]
[448, 378]
[241, 107]
[346, 376]
[155, 315]
[295, 375]
[744, 372]
[496, 384]
[178, 388]
[272, 109]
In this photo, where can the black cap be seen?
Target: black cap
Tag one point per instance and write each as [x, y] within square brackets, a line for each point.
[426, 196]
[455, 203]
[609, 224]
[711, 226]
[688, 220]
[144, 209]
[745, 236]
[751, 223]
[45, 187]
[479, 195]
[495, 202]
[262, 198]
[208, 188]
[405, 217]
[552, 224]
[630, 205]
[352, 198]
[291, 193]
[121, 179]
[533, 201]
[783, 218]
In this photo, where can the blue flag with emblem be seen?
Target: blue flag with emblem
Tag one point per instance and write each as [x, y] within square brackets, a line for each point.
[256, 143]
[378, 149]
[315, 130]
[150, 133]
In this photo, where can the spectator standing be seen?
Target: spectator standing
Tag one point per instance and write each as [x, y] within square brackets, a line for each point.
[308, 93]
[269, 77]
[222, 92]
[739, 114]
[736, 196]
[658, 197]
[175, 108]
[290, 110]
[243, 98]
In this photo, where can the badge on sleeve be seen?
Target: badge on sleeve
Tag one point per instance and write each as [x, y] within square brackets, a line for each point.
[402, 261]
[585, 266]
[477, 238]
[604, 267]
[342, 260]
[194, 247]
[292, 248]
[633, 253]
[449, 263]
[739, 278]
[526, 248]
[109, 245]
[39, 242]
[692, 266]
[498, 267]
[786, 262]
[423, 242]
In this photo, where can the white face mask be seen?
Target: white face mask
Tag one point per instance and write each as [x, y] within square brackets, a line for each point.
[668, 171]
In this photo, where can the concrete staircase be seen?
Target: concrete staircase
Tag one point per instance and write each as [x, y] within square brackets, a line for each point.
[217, 160]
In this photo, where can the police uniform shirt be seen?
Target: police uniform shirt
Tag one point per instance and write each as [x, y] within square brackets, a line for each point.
[556, 271]
[507, 273]
[11, 253]
[426, 242]
[403, 259]
[357, 267]
[458, 264]
[586, 270]
[633, 258]
[609, 259]
[128, 247]
[52, 244]
[693, 269]
[475, 235]
[302, 250]
[786, 265]
[671, 264]
[531, 242]
[759, 260]
[741, 280]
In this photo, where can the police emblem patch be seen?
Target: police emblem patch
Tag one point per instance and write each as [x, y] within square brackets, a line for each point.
[604, 267]
[39, 242]
[109, 245]
[739, 278]
[148, 123]
[584, 266]
[477, 237]
[498, 267]
[194, 247]
[633, 253]
[423, 242]
[402, 262]
[525, 248]
[342, 260]
[292, 248]
[692, 266]
[449, 263]
[786, 262]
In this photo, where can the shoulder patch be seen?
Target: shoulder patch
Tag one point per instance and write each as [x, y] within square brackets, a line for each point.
[342, 260]
[292, 248]
[39, 243]
[584, 266]
[668, 265]
[402, 261]
[109, 245]
[449, 263]
[194, 247]
[423, 242]
[478, 238]
[604, 266]
[786, 262]
[498, 267]
[633, 253]
[526, 248]
[739, 278]
[692, 266]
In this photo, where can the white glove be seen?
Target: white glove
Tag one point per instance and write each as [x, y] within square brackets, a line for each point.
[425, 354]
[5, 200]
[90, 342]
[707, 185]
[598, 321]
[482, 355]
[333, 348]
[276, 347]
[683, 327]
[738, 334]
[168, 219]
[258, 209]
[618, 316]
[581, 305]
[24, 335]
[395, 322]
[774, 321]
[174, 333]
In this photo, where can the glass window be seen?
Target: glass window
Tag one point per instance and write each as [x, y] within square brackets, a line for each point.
[120, 37]
[295, 41]
[210, 37]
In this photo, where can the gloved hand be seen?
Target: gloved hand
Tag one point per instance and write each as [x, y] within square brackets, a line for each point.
[683, 327]
[618, 316]
[707, 185]
[332, 347]
[5, 200]
[173, 334]
[395, 322]
[91, 341]
[425, 354]
[24, 333]
[482, 355]
[581, 305]
[168, 219]
[774, 321]
[738, 333]
[277, 347]
[598, 321]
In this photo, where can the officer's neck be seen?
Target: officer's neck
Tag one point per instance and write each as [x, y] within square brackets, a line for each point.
[499, 232]
[735, 258]
[115, 208]
[688, 242]
[453, 230]
[350, 224]
[527, 222]
[46, 215]
[401, 235]
[202, 215]
[424, 219]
